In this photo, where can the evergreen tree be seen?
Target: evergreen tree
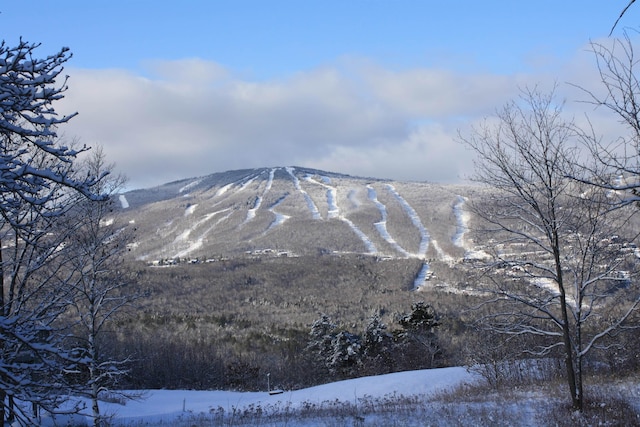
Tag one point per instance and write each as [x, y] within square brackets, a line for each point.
[319, 348]
[377, 347]
[418, 334]
[345, 354]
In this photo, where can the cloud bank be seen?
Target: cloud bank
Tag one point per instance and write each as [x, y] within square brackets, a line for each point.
[191, 118]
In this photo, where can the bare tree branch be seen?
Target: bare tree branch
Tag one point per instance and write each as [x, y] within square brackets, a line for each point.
[620, 17]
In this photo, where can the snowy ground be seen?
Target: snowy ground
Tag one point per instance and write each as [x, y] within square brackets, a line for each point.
[187, 407]
[435, 397]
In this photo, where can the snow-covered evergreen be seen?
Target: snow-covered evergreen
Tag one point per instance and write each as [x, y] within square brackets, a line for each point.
[37, 182]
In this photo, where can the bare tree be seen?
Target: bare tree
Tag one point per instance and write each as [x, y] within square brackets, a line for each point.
[617, 165]
[37, 178]
[101, 287]
[559, 268]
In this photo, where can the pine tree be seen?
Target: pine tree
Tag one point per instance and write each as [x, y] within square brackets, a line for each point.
[377, 347]
[345, 354]
[419, 329]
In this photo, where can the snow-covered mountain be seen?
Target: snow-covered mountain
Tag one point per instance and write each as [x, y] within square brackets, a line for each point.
[297, 211]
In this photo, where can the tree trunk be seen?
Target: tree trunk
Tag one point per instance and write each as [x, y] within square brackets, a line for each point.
[576, 397]
[3, 393]
[95, 407]
[95, 387]
[3, 397]
[576, 394]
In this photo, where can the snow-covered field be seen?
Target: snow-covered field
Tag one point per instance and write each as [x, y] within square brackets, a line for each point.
[435, 397]
[300, 407]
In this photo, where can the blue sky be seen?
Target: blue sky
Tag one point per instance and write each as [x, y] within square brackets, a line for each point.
[180, 89]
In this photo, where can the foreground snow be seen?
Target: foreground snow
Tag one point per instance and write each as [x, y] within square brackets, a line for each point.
[169, 407]
[409, 399]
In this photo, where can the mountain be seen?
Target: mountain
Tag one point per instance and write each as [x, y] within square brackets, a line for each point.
[293, 211]
[254, 257]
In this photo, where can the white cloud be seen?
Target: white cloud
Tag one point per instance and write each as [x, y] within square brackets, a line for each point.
[428, 153]
[439, 93]
[192, 117]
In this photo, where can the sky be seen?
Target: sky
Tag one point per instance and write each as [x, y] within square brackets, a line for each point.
[378, 88]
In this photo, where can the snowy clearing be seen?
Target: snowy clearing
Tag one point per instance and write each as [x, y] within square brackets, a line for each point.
[197, 243]
[169, 407]
[442, 256]
[444, 397]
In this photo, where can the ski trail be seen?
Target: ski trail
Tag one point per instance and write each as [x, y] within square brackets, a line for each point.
[189, 185]
[190, 209]
[224, 189]
[415, 219]
[442, 255]
[270, 180]
[333, 211]
[251, 213]
[462, 219]
[248, 182]
[381, 225]
[296, 183]
[243, 185]
[422, 277]
[552, 287]
[185, 234]
[279, 218]
[371, 248]
[425, 271]
[462, 228]
[197, 243]
[124, 203]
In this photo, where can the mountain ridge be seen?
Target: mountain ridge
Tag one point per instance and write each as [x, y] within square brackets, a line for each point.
[293, 210]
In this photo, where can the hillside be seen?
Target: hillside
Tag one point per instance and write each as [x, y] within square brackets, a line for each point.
[296, 211]
[236, 267]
